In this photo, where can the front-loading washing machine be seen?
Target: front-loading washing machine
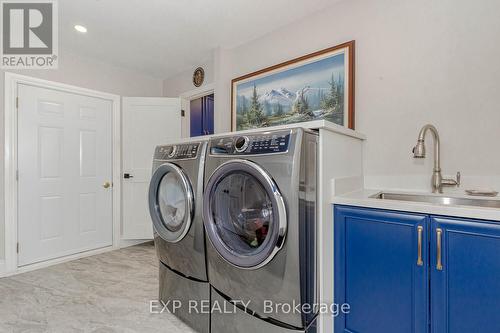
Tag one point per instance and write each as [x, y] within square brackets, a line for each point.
[175, 205]
[260, 220]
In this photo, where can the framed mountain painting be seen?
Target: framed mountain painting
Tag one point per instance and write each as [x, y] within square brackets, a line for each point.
[313, 87]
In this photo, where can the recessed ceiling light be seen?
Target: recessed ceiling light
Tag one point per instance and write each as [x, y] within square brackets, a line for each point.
[80, 28]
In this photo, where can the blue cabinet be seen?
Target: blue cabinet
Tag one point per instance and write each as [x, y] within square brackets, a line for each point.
[380, 271]
[196, 113]
[404, 272]
[202, 116]
[465, 284]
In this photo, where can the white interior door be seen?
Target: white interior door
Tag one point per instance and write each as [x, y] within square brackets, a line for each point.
[64, 159]
[147, 122]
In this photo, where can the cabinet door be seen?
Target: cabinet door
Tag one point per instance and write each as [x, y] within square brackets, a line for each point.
[465, 276]
[378, 271]
[196, 117]
[208, 114]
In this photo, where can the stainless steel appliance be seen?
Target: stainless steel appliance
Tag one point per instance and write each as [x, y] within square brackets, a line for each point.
[260, 219]
[175, 204]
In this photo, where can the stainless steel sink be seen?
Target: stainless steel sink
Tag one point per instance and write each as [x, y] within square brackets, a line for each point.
[438, 199]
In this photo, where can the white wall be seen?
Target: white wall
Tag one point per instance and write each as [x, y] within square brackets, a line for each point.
[416, 62]
[183, 82]
[87, 73]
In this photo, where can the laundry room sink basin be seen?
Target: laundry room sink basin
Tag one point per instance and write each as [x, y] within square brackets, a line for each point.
[438, 199]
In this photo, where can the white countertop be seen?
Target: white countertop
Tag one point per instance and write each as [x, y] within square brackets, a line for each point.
[313, 125]
[362, 199]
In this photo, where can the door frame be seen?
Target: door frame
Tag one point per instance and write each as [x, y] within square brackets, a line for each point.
[11, 161]
[186, 99]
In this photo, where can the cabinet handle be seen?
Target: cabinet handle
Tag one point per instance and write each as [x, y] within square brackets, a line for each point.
[439, 264]
[420, 230]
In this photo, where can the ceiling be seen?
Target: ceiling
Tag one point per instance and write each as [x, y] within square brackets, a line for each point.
[164, 37]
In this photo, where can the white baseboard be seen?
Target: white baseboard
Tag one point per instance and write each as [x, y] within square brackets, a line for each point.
[56, 261]
[132, 242]
[51, 262]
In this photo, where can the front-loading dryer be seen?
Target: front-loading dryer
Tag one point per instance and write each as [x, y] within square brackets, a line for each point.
[260, 220]
[175, 205]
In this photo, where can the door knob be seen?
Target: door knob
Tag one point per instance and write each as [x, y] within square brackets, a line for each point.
[106, 185]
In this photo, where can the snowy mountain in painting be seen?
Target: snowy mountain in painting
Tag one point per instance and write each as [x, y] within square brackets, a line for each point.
[278, 96]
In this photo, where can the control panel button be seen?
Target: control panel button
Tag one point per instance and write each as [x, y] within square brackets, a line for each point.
[172, 152]
[271, 143]
[177, 152]
[241, 144]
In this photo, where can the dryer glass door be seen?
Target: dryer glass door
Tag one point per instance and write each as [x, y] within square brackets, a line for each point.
[245, 215]
[171, 202]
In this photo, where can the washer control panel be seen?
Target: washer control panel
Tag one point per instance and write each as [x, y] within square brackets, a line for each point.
[253, 144]
[177, 152]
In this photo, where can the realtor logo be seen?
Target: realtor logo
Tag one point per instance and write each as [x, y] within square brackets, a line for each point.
[29, 34]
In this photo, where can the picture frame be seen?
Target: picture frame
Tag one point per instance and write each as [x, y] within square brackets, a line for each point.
[319, 85]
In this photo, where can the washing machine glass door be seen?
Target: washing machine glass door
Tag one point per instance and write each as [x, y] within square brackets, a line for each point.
[244, 214]
[171, 202]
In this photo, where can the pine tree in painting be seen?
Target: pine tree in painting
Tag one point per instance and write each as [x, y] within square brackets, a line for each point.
[335, 98]
[340, 94]
[255, 115]
[301, 105]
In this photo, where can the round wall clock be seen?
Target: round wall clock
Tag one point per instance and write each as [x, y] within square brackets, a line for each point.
[198, 76]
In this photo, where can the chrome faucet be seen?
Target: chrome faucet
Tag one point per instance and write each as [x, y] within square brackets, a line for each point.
[419, 152]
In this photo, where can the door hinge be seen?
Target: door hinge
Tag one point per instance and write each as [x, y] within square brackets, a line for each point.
[183, 113]
[17, 247]
[17, 175]
[17, 102]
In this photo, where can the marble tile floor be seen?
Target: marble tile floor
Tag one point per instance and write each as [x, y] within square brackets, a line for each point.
[105, 293]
